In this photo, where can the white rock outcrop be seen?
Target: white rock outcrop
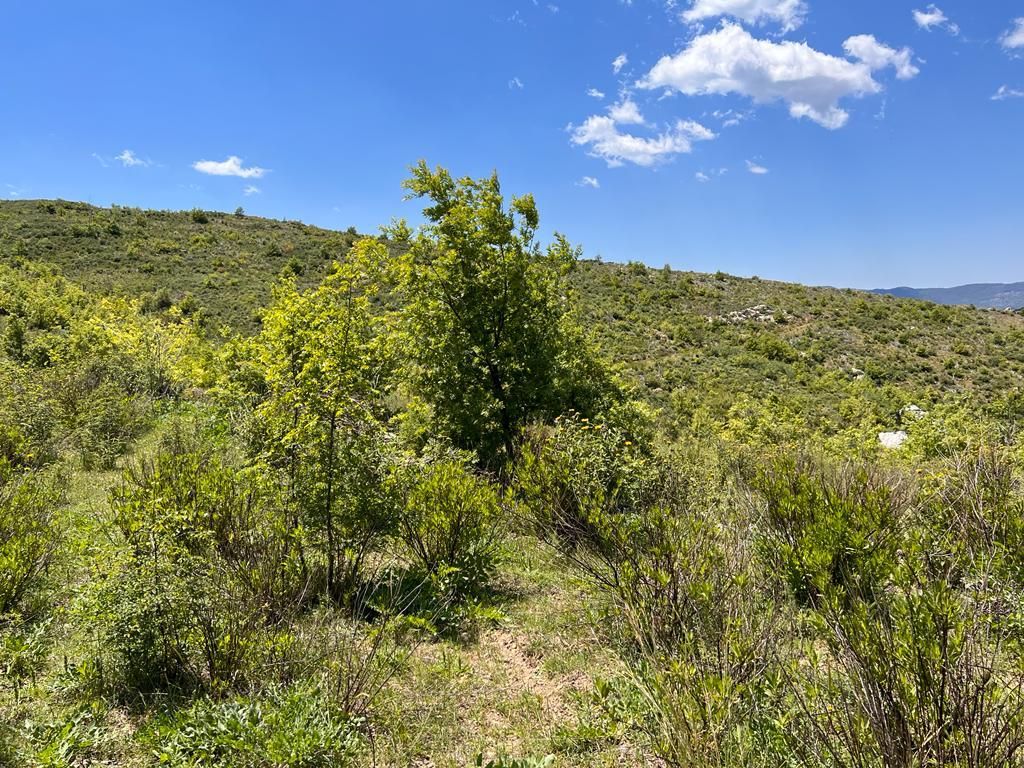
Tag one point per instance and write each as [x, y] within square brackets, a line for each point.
[893, 440]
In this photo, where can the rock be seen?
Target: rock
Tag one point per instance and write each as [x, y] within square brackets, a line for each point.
[893, 440]
[914, 412]
[762, 313]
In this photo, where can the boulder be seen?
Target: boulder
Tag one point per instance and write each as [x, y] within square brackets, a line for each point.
[893, 440]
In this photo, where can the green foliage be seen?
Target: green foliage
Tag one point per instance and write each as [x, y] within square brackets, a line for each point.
[449, 520]
[831, 530]
[295, 727]
[521, 762]
[305, 393]
[701, 620]
[209, 569]
[29, 532]
[571, 477]
[449, 526]
[87, 373]
[907, 663]
[485, 313]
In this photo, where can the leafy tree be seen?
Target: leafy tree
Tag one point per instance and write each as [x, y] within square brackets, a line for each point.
[486, 310]
[312, 382]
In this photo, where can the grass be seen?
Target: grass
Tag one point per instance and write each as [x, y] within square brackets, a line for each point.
[519, 687]
[674, 334]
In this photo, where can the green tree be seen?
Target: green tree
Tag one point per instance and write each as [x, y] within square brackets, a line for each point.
[311, 383]
[491, 345]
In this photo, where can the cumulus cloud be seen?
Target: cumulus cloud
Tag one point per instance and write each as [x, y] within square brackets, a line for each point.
[601, 136]
[702, 177]
[1014, 37]
[626, 112]
[230, 167]
[879, 56]
[729, 60]
[129, 159]
[595, 94]
[932, 17]
[251, 190]
[756, 169]
[620, 61]
[1006, 92]
[589, 181]
[788, 13]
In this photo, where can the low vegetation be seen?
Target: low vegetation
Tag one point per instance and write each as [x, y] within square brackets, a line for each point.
[275, 496]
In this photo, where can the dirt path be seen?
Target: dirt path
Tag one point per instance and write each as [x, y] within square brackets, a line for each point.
[525, 674]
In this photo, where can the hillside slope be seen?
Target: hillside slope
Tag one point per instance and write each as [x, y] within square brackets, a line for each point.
[699, 346]
[988, 295]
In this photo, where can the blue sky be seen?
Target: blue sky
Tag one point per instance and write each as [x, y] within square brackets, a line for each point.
[869, 143]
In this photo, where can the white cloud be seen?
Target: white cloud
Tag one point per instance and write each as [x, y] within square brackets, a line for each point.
[730, 117]
[626, 112]
[879, 56]
[757, 170]
[99, 159]
[595, 94]
[789, 13]
[130, 160]
[13, 191]
[705, 176]
[589, 181]
[1014, 37]
[251, 190]
[812, 83]
[603, 139]
[515, 84]
[230, 167]
[1006, 92]
[933, 16]
[620, 61]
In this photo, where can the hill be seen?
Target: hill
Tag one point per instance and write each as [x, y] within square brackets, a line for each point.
[988, 295]
[695, 345]
[224, 263]
[299, 543]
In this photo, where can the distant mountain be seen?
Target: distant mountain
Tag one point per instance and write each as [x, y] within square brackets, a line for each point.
[989, 295]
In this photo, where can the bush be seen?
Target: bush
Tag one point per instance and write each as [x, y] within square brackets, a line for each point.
[570, 476]
[908, 662]
[831, 529]
[449, 525]
[210, 569]
[450, 520]
[704, 624]
[293, 727]
[29, 534]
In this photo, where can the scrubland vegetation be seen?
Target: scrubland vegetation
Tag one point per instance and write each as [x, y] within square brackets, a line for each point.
[275, 496]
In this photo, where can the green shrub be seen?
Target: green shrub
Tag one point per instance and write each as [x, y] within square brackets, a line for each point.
[295, 727]
[827, 530]
[450, 520]
[210, 568]
[908, 661]
[570, 476]
[29, 533]
[449, 525]
[701, 621]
